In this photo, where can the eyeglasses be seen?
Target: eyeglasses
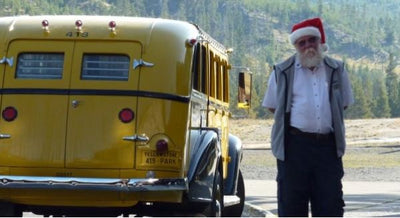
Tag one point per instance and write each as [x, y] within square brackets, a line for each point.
[310, 40]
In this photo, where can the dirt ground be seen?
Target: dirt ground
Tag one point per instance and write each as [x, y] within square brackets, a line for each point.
[358, 132]
[372, 154]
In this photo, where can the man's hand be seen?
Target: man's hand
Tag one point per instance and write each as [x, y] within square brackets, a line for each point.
[271, 109]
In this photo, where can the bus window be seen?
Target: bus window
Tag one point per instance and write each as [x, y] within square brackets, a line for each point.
[105, 67]
[40, 66]
[196, 68]
[213, 81]
[225, 81]
[203, 69]
[219, 79]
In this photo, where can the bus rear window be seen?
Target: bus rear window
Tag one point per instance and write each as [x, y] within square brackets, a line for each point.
[40, 66]
[105, 67]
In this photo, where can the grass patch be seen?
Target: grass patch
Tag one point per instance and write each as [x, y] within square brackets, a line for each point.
[378, 157]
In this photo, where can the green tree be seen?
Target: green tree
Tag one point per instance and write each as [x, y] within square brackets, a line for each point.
[392, 86]
[366, 82]
[359, 109]
[381, 107]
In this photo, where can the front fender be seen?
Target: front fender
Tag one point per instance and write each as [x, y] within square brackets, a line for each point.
[205, 155]
[235, 153]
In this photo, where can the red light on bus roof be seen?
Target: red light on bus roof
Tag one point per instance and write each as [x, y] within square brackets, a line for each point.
[191, 42]
[45, 23]
[126, 115]
[9, 114]
[78, 23]
[112, 24]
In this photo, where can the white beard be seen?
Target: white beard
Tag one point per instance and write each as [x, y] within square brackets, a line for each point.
[311, 57]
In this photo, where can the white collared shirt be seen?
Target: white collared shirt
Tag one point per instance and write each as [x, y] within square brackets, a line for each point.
[310, 107]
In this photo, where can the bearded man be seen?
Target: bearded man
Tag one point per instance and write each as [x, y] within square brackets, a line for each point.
[308, 94]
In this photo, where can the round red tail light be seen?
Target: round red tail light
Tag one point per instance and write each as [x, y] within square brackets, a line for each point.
[126, 115]
[9, 114]
[162, 146]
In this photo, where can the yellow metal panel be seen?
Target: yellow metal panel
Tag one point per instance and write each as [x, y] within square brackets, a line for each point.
[38, 132]
[95, 133]
[162, 119]
[64, 172]
[218, 117]
[172, 58]
[65, 198]
[2, 67]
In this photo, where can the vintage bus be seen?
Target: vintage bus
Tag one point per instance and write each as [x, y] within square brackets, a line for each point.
[102, 112]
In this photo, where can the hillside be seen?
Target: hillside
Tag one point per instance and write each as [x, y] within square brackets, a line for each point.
[364, 34]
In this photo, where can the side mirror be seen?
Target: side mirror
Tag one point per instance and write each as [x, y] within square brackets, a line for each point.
[244, 90]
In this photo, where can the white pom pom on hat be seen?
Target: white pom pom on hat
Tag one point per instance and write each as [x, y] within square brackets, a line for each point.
[309, 27]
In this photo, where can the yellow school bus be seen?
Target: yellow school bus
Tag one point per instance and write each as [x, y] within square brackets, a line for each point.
[102, 112]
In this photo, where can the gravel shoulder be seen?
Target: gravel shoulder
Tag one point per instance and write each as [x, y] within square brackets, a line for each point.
[372, 154]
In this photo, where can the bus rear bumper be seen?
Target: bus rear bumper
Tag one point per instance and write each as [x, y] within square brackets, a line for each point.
[99, 184]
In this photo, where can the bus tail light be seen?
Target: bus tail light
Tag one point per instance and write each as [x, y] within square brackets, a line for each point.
[9, 114]
[162, 146]
[191, 42]
[126, 115]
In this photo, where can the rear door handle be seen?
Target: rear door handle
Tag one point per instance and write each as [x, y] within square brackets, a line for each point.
[5, 136]
[136, 138]
[75, 103]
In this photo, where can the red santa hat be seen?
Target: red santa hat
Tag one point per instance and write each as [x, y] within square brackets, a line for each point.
[309, 27]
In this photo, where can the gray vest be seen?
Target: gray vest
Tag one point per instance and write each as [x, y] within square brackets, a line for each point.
[284, 74]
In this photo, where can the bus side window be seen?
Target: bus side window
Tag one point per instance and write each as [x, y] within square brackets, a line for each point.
[219, 79]
[212, 80]
[203, 69]
[225, 81]
[196, 68]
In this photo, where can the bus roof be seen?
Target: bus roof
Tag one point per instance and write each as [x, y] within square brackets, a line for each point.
[82, 27]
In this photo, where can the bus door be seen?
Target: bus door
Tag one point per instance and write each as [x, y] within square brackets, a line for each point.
[34, 103]
[102, 105]
[3, 62]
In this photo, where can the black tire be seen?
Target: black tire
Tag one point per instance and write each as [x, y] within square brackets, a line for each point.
[237, 210]
[10, 210]
[215, 208]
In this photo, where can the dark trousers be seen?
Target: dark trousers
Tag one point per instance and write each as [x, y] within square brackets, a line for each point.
[311, 173]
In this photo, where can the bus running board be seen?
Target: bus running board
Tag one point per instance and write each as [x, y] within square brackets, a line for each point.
[230, 200]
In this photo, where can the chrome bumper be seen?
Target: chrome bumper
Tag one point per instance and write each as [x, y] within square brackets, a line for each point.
[101, 184]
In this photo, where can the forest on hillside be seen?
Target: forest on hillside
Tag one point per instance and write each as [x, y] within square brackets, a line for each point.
[364, 34]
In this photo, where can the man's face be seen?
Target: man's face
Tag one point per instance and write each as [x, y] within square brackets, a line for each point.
[304, 43]
[309, 50]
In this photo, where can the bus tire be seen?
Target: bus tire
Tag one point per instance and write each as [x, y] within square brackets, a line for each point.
[236, 210]
[10, 210]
